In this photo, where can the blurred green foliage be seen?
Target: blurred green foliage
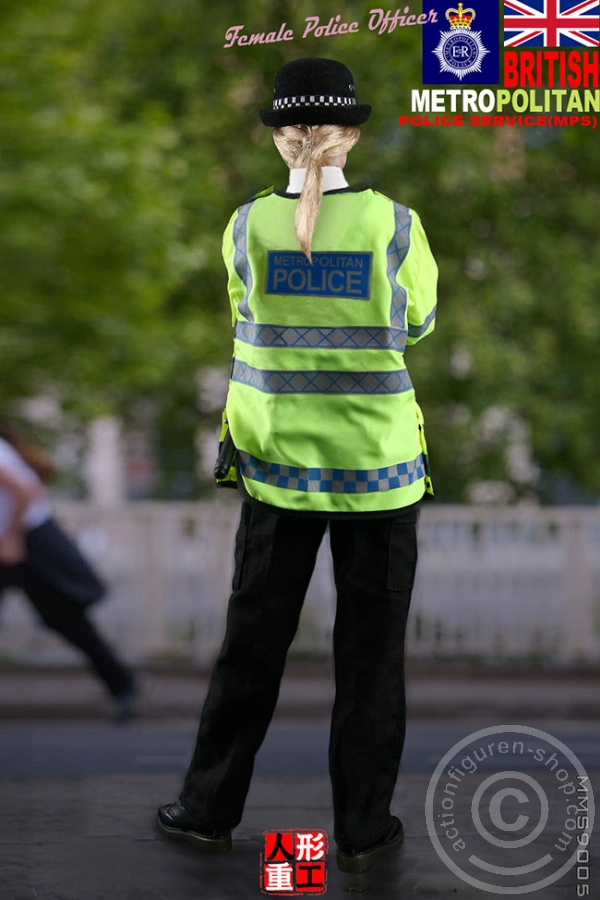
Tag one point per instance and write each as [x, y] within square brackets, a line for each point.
[129, 135]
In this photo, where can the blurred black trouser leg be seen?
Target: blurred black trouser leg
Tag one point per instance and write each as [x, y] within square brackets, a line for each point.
[374, 564]
[274, 560]
[69, 618]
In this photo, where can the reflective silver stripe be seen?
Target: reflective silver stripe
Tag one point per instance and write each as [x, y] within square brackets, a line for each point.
[288, 381]
[241, 263]
[333, 481]
[418, 330]
[397, 252]
[351, 338]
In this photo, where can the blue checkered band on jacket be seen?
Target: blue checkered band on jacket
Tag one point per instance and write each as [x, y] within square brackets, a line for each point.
[418, 330]
[336, 481]
[289, 381]
[397, 251]
[241, 263]
[351, 338]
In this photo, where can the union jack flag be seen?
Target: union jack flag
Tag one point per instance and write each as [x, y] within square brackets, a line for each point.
[551, 23]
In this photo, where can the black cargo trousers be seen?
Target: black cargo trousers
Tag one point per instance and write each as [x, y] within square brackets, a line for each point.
[374, 560]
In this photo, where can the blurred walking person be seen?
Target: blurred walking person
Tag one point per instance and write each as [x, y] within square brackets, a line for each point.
[39, 558]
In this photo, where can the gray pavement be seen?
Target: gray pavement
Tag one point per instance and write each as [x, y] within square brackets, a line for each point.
[307, 690]
[80, 793]
[81, 748]
[96, 838]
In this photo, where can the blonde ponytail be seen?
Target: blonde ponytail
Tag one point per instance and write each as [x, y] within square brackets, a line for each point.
[311, 147]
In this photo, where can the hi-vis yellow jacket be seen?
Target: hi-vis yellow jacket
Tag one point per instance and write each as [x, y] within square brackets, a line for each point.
[321, 407]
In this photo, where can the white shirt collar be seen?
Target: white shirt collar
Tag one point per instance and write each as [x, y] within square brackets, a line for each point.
[333, 179]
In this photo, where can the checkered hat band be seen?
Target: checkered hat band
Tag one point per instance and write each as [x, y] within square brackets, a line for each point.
[313, 100]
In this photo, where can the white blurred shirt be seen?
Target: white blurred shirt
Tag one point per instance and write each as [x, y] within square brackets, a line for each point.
[39, 510]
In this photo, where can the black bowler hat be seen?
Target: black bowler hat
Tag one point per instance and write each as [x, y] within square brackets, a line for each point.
[314, 92]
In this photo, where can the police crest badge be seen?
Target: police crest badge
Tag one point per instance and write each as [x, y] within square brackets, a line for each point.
[468, 50]
[460, 50]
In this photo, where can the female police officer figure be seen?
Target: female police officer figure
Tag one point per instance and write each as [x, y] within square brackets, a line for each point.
[327, 285]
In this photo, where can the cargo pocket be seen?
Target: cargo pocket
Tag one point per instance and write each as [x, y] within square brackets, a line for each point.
[241, 540]
[402, 555]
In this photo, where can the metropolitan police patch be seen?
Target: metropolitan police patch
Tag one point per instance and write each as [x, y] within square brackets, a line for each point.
[344, 275]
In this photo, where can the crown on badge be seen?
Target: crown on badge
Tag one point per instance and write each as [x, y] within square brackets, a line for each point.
[460, 18]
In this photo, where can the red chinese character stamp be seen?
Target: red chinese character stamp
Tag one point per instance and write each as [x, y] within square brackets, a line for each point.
[294, 862]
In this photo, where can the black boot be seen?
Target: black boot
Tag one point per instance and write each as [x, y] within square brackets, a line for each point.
[176, 822]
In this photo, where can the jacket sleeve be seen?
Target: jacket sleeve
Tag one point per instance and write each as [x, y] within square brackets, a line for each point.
[235, 285]
[419, 275]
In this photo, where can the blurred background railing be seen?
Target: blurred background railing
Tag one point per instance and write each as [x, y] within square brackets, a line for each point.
[498, 585]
